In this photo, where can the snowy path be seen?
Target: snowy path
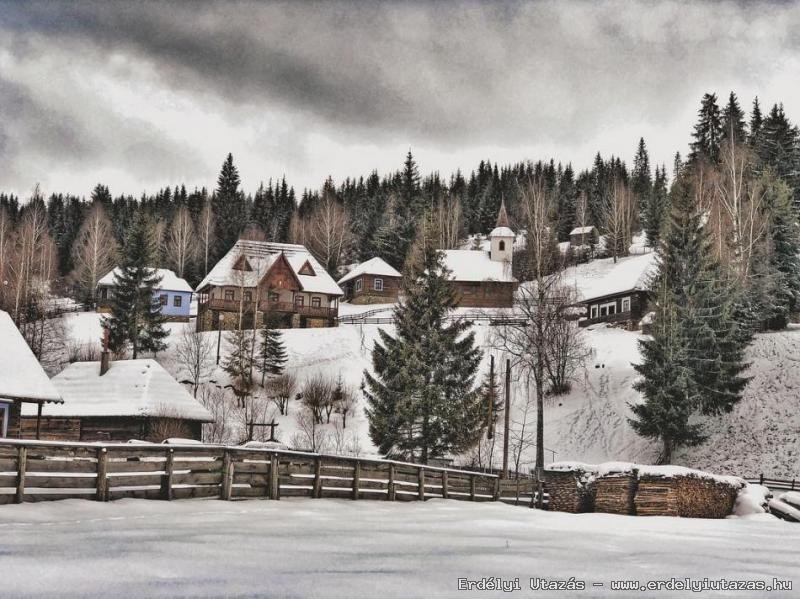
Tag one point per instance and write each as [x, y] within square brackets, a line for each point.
[304, 548]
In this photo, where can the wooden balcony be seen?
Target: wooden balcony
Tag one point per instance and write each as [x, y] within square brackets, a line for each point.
[610, 318]
[264, 306]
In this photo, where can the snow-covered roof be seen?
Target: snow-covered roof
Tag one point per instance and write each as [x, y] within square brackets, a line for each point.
[129, 388]
[373, 266]
[501, 232]
[260, 256]
[21, 375]
[582, 230]
[476, 265]
[628, 274]
[169, 280]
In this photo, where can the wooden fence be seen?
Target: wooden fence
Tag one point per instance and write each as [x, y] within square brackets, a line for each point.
[40, 471]
[776, 484]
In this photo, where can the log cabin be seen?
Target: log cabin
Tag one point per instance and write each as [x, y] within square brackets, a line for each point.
[259, 280]
[23, 382]
[621, 294]
[483, 278]
[119, 401]
[371, 282]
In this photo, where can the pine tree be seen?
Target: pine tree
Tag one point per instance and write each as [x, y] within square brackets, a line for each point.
[421, 396]
[756, 124]
[694, 361]
[567, 203]
[641, 179]
[733, 121]
[779, 148]
[136, 318]
[229, 207]
[656, 208]
[271, 352]
[707, 132]
[239, 362]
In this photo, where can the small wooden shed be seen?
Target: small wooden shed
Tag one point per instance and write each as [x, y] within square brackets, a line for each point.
[132, 399]
[371, 282]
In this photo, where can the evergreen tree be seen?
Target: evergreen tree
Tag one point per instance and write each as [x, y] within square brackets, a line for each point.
[271, 352]
[421, 396]
[229, 207]
[641, 179]
[136, 320]
[778, 148]
[567, 203]
[694, 359]
[656, 208]
[733, 121]
[707, 132]
[756, 123]
[239, 363]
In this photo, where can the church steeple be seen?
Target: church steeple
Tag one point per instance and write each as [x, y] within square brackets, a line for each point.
[502, 216]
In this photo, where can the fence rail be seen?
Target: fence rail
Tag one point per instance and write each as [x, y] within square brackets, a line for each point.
[40, 471]
[477, 316]
[776, 484]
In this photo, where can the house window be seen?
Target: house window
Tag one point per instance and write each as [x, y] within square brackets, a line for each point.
[608, 309]
[359, 284]
[177, 301]
[593, 313]
[104, 293]
[274, 297]
[626, 304]
[377, 284]
[299, 301]
[4, 408]
[501, 246]
[163, 299]
[248, 296]
[315, 302]
[229, 295]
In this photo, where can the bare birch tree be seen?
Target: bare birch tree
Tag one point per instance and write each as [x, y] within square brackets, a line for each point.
[181, 242]
[618, 217]
[206, 233]
[329, 231]
[194, 352]
[94, 251]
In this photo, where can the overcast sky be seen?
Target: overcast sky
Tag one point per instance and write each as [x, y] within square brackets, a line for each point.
[143, 95]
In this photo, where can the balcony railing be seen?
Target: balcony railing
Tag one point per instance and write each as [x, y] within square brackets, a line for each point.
[618, 317]
[264, 306]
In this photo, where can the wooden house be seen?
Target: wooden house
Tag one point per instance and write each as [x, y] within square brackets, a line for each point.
[484, 278]
[260, 280]
[621, 294]
[584, 236]
[123, 400]
[173, 293]
[23, 382]
[371, 282]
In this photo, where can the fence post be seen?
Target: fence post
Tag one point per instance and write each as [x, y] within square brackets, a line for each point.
[761, 479]
[792, 484]
[274, 487]
[22, 466]
[166, 481]
[421, 484]
[497, 489]
[445, 494]
[472, 487]
[316, 492]
[227, 476]
[101, 484]
[390, 487]
[356, 478]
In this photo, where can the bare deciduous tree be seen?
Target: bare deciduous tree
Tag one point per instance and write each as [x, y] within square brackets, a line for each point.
[215, 400]
[206, 233]
[618, 217]
[329, 231]
[181, 242]
[309, 435]
[94, 252]
[280, 390]
[318, 395]
[194, 352]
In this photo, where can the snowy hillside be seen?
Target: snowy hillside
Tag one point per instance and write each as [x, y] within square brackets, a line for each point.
[762, 434]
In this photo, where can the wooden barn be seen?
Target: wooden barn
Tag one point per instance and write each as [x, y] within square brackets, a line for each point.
[262, 280]
[23, 383]
[371, 282]
[484, 279]
[620, 295]
[123, 400]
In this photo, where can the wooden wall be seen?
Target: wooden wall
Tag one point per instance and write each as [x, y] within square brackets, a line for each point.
[112, 429]
[368, 295]
[485, 294]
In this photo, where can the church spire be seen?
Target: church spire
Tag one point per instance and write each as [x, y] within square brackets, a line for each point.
[502, 216]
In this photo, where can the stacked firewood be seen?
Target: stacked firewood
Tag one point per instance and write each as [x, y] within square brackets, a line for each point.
[570, 491]
[615, 493]
[705, 497]
[656, 496]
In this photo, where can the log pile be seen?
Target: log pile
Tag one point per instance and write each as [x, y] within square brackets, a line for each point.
[656, 496]
[570, 490]
[615, 493]
[699, 497]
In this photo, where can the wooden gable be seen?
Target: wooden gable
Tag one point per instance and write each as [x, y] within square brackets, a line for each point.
[242, 264]
[307, 269]
[281, 276]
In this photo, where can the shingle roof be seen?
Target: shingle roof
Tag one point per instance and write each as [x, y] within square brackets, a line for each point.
[373, 266]
[260, 256]
[169, 280]
[21, 375]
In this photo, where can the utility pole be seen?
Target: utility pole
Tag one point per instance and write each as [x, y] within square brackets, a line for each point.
[490, 401]
[507, 416]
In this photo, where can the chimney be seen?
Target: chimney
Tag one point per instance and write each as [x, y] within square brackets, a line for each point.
[105, 356]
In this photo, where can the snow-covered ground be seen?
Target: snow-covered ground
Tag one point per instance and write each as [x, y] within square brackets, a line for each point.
[761, 434]
[332, 548]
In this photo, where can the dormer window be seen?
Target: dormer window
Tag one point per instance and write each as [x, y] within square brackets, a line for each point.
[242, 264]
[308, 270]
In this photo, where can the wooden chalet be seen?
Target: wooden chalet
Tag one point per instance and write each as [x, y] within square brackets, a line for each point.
[120, 401]
[23, 382]
[484, 278]
[621, 294]
[260, 280]
[371, 282]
